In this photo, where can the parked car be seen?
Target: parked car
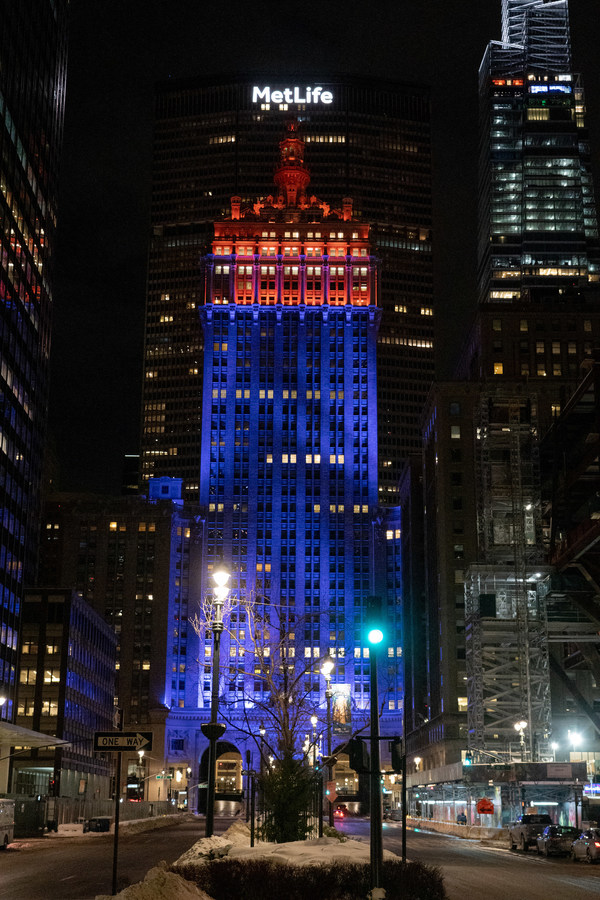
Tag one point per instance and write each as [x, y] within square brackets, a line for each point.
[525, 831]
[587, 846]
[341, 810]
[556, 839]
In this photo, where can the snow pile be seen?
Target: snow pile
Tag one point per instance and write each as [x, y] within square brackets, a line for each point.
[160, 885]
[238, 833]
[204, 849]
[309, 853]
[214, 847]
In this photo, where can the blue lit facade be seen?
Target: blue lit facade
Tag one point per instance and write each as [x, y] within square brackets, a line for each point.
[289, 441]
[538, 238]
[33, 57]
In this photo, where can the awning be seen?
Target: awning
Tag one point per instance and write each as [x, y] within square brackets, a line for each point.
[15, 736]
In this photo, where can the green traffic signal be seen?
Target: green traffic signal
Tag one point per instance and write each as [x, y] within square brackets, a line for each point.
[374, 620]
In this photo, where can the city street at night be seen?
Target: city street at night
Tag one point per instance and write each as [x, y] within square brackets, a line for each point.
[82, 867]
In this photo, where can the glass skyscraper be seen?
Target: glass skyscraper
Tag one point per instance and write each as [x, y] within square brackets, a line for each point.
[369, 140]
[33, 58]
[538, 238]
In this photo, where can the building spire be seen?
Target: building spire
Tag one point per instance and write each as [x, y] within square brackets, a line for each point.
[292, 177]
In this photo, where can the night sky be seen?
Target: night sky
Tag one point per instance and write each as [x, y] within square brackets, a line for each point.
[119, 49]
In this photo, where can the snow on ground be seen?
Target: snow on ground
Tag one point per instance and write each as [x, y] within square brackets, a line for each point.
[162, 885]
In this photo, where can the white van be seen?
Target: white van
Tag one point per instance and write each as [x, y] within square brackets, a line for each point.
[7, 822]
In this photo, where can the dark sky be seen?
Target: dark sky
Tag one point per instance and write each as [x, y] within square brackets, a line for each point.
[119, 49]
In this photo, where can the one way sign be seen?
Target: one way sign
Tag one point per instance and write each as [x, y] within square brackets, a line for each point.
[122, 740]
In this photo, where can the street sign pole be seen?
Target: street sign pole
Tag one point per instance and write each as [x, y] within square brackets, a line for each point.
[117, 809]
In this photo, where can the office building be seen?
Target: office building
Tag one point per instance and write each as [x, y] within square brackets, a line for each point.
[135, 561]
[538, 232]
[33, 58]
[288, 473]
[537, 322]
[367, 140]
[289, 456]
[66, 688]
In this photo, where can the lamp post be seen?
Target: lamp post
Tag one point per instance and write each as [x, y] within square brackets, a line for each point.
[140, 775]
[520, 728]
[327, 668]
[214, 730]
[262, 732]
[313, 722]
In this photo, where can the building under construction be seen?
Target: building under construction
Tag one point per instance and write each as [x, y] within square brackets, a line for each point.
[505, 619]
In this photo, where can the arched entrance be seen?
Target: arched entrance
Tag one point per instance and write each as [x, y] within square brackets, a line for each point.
[228, 782]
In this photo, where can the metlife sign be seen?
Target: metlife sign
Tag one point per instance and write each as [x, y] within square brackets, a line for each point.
[291, 95]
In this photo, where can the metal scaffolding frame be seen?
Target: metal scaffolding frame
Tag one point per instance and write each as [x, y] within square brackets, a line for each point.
[542, 29]
[506, 628]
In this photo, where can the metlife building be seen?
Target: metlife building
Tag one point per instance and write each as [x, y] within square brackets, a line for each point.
[368, 140]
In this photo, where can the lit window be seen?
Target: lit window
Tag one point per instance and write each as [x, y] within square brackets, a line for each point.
[455, 432]
[498, 368]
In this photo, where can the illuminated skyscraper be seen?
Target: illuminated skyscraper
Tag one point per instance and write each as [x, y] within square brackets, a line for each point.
[538, 239]
[368, 140]
[538, 321]
[289, 439]
[33, 57]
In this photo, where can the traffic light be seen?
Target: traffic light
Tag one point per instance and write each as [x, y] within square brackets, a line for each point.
[468, 760]
[358, 755]
[374, 621]
[397, 756]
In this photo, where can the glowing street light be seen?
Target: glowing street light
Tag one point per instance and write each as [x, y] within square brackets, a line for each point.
[574, 739]
[327, 667]
[214, 730]
[520, 729]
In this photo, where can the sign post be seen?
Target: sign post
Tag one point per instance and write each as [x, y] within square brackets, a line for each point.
[119, 742]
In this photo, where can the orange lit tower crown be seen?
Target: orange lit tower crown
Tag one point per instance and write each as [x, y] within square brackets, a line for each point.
[291, 248]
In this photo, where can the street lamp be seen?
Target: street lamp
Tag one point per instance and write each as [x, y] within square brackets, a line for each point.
[214, 730]
[327, 667]
[520, 728]
[313, 722]
[554, 747]
[262, 731]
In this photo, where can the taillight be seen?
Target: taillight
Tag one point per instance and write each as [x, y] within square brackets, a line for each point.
[596, 843]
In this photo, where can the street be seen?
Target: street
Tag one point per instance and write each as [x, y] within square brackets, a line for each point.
[54, 868]
[472, 869]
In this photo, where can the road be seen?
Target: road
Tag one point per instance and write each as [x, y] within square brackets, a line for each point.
[472, 869]
[54, 868]
[79, 868]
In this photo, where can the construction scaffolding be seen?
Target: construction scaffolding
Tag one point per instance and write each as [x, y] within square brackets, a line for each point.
[506, 629]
